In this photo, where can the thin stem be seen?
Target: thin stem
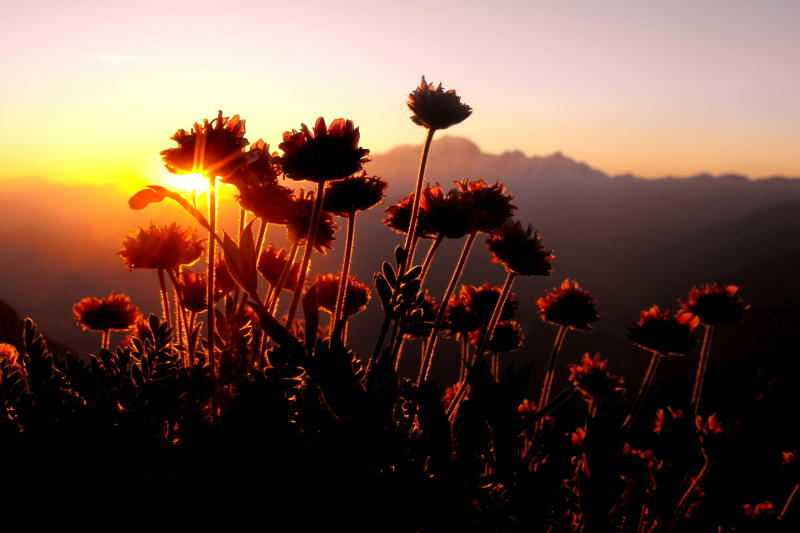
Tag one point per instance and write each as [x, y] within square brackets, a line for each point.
[549, 376]
[105, 340]
[427, 359]
[462, 363]
[262, 231]
[379, 343]
[789, 501]
[684, 501]
[164, 297]
[496, 366]
[242, 215]
[412, 225]
[211, 275]
[429, 256]
[189, 331]
[309, 249]
[452, 409]
[180, 313]
[338, 315]
[646, 382]
[274, 297]
[701, 370]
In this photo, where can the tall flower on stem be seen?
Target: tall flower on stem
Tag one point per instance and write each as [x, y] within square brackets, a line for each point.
[326, 154]
[567, 306]
[435, 109]
[662, 335]
[214, 149]
[710, 305]
[113, 313]
[345, 198]
[162, 248]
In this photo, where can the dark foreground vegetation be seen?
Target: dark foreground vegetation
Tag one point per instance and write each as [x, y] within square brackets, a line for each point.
[229, 406]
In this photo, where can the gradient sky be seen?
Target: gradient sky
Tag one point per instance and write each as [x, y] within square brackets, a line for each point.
[91, 90]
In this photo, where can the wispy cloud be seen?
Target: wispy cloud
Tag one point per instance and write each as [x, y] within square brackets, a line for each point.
[109, 58]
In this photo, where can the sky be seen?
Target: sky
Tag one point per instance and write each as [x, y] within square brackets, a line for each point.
[91, 91]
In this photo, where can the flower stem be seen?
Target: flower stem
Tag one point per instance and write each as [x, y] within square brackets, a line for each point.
[412, 225]
[549, 376]
[180, 313]
[274, 297]
[465, 358]
[429, 256]
[427, 359]
[262, 231]
[164, 297]
[646, 382]
[789, 501]
[105, 340]
[452, 409]
[211, 275]
[684, 501]
[337, 319]
[701, 370]
[309, 249]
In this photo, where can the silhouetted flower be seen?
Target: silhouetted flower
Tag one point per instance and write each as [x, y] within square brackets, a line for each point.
[8, 353]
[162, 247]
[459, 318]
[114, 313]
[435, 108]
[399, 216]
[223, 281]
[271, 263]
[451, 214]
[713, 305]
[222, 151]
[507, 337]
[711, 433]
[426, 312]
[193, 289]
[570, 306]
[482, 301]
[658, 331]
[258, 164]
[356, 294]
[594, 381]
[327, 153]
[349, 195]
[527, 407]
[492, 206]
[300, 218]
[519, 250]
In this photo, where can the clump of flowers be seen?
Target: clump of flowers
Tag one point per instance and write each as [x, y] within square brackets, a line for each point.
[357, 193]
[449, 214]
[658, 331]
[491, 206]
[570, 306]
[592, 378]
[300, 219]
[398, 218]
[161, 247]
[435, 108]
[113, 313]
[271, 264]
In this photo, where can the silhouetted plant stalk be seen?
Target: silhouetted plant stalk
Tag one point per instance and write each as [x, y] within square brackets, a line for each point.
[311, 237]
[452, 409]
[429, 256]
[680, 509]
[338, 318]
[702, 364]
[105, 339]
[262, 232]
[549, 375]
[164, 297]
[465, 357]
[643, 388]
[427, 359]
[274, 296]
[789, 501]
[180, 311]
[411, 236]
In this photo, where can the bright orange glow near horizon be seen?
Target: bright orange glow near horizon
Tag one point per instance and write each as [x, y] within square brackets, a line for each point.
[97, 89]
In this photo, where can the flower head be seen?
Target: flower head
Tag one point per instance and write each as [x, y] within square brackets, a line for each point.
[490, 203]
[482, 301]
[327, 153]
[106, 314]
[592, 378]
[300, 219]
[519, 250]
[760, 511]
[713, 305]
[399, 217]
[193, 290]
[271, 263]
[450, 214]
[259, 191]
[657, 331]
[223, 281]
[357, 193]
[570, 306]
[162, 247]
[214, 147]
[9, 353]
[459, 318]
[356, 294]
[435, 108]
[507, 337]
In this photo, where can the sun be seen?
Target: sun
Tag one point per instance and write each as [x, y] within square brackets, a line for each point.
[185, 183]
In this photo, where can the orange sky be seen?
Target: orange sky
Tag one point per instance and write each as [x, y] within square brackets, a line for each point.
[92, 90]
